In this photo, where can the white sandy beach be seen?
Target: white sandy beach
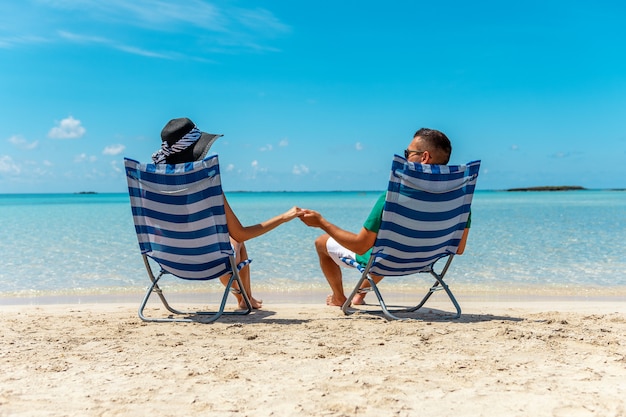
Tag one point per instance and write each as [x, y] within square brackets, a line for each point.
[548, 358]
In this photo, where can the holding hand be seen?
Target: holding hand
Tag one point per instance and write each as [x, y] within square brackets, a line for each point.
[311, 218]
[292, 213]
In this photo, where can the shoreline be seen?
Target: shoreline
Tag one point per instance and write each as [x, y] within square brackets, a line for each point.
[436, 309]
[319, 296]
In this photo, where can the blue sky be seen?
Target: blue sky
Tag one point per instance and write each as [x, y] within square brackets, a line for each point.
[312, 95]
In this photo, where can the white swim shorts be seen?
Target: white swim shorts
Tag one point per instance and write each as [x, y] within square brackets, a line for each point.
[336, 252]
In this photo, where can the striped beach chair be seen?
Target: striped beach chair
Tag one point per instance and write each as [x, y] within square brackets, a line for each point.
[179, 217]
[425, 219]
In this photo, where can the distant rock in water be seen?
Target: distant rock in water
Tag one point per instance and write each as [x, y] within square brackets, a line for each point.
[550, 188]
[86, 192]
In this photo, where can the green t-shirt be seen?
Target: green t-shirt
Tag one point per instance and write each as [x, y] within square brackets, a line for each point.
[372, 223]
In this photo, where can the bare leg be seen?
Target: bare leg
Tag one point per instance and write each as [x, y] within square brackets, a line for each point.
[241, 254]
[359, 298]
[331, 271]
[244, 274]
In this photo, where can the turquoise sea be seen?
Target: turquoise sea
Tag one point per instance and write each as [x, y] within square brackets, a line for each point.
[570, 243]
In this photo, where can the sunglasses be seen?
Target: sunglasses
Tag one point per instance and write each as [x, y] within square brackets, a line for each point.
[408, 152]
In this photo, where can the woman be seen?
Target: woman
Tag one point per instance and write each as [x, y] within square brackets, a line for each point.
[183, 142]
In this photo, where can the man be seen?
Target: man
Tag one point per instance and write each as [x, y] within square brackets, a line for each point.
[427, 147]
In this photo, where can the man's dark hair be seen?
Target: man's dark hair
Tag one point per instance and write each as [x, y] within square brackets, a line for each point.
[437, 140]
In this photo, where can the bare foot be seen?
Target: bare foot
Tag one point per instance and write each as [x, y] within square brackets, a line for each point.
[256, 304]
[359, 299]
[331, 300]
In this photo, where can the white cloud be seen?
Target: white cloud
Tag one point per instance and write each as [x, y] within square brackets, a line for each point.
[266, 148]
[114, 165]
[210, 27]
[230, 167]
[68, 128]
[260, 20]
[21, 143]
[358, 146]
[514, 147]
[83, 157]
[157, 15]
[256, 168]
[141, 52]
[283, 143]
[98, 40]
[12, 41]
[84, 39]
[113, 149]
[7, 166]
[218, 28]
[300, 169]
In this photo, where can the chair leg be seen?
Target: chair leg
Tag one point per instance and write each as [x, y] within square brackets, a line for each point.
[386, 312]
[155, 286]
[426, 297]
[438, 285]
[439, 278]
[214, 315]
[364, 275]
[147, 296]
[452, 298]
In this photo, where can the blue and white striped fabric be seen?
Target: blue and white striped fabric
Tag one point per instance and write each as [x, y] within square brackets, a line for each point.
[179, 216]
[426, 210]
